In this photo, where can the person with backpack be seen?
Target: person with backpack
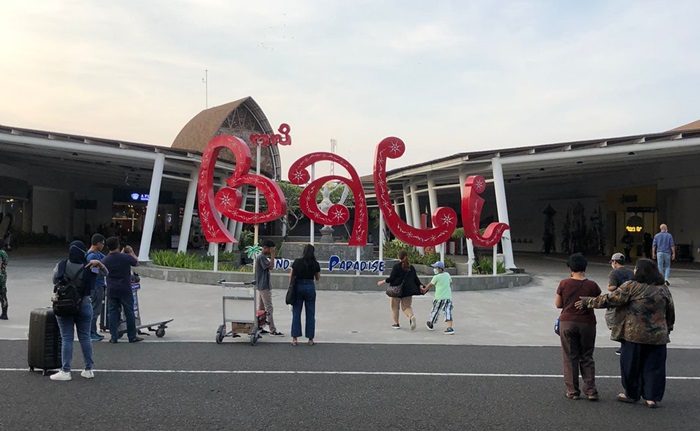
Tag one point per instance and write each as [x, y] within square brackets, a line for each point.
[74, 280]
[618, 276]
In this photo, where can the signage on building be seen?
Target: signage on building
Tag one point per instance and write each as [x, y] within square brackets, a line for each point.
[227, 201]
[139, 197]
[335, 263]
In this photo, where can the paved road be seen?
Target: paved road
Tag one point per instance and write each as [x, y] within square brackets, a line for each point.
[272, 386]
[501, 370]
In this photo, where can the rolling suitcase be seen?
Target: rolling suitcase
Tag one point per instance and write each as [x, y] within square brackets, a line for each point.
[44, 341]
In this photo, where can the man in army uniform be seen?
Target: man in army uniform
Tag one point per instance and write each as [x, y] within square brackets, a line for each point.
[3, 278]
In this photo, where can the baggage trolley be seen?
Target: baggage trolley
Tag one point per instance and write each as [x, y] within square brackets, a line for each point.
[239, 308]
[157, 327]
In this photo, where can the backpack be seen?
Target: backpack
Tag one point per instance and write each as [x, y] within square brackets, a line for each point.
[68, 291]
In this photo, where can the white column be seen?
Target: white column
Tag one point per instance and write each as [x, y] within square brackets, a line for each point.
[231, 230]
[462, 180]
[381, 238]
[313, 227]
[500, 191]
[470, 254]
[407, 204]
[415, 209]
[257, 196]
[152, 208]
[432, 200]
[244, 202]
[187, 215]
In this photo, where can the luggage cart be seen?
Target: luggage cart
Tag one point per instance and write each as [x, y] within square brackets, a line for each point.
[157, 327]
[239, 308]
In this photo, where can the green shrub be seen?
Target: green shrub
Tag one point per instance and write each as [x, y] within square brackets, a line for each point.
[246, 239]
[192, 261]
[458, 233]
[485, 267]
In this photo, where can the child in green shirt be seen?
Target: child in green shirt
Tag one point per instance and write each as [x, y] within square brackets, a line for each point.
[443, 297]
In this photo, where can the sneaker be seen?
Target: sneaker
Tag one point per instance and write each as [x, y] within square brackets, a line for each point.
[429, 325]
[667, 283]
[277, 333]
[413, 323]
[88, 374]
[396, 326]
[618, 352]
[593, 397]
[264, 331]
[136, 340]
[449, 331]
[61, 376]
[97, 337]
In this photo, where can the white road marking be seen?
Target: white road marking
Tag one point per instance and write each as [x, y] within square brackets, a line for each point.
[350, 373]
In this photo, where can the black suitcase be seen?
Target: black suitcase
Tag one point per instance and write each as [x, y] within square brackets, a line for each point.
[44, 341]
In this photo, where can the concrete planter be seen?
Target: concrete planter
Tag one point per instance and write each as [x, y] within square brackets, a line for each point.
[329, 281]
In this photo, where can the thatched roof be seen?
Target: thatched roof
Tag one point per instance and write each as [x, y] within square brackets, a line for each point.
[695, 125]
[239, 118]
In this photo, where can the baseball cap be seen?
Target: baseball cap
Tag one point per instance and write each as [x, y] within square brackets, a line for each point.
[619, 257]
[438, 264]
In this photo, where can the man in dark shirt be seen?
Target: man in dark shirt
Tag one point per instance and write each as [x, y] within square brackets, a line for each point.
[119, 293]
[616, 278]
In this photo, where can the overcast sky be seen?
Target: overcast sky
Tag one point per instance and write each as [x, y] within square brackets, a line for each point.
[445, 76]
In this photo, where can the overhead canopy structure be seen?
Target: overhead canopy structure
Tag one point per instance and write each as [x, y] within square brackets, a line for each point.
[83, 164]
[534, 174]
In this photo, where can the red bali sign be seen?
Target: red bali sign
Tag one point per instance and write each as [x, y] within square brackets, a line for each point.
[337, 213]
[444, 219]
[227, 201]
[267, 140]
[471, 214]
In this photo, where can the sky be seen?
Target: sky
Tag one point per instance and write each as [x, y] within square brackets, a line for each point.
[447, 77]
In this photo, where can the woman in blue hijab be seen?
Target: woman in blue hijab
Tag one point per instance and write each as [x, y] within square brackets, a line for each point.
[82, 275]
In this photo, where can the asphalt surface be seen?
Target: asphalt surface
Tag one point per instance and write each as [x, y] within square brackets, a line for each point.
[235, 386]
[500, 371]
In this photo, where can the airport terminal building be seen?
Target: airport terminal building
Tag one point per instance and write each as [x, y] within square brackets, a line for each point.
[563, 197]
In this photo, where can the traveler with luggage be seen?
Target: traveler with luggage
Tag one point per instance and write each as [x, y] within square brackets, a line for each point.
[78, 275]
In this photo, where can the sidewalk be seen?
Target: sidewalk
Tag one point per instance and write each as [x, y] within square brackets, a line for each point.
[522, 316]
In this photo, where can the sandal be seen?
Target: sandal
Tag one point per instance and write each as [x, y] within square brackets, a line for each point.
[624, 398]
[652, 404]
[311, 342]
[294, 341]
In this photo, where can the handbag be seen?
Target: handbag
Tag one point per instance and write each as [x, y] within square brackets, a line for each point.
[291, 291]
[394, 291]
[556, 324]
